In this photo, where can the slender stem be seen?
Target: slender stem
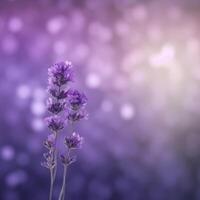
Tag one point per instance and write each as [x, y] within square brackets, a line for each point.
[53, 170]
[51, 186]
[62, 192]
[65, 172]
[55, 157]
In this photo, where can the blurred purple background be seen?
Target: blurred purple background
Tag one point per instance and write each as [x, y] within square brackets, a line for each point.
[139, 64]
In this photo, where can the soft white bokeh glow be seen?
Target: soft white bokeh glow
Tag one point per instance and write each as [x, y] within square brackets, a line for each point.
[16, 178]
[38, 124]
[93, 80]
[38, 107]
[55, 24]
[164, 57]
[15, 24]
[127, 111]
[23, 91]
[7, 153]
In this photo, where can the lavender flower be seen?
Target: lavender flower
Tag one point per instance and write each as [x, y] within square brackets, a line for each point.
[60, 73]
[55, 123]
[74, 141]
[55, 107]
[49, 156]
[50, 142]
[76, 99]
[58, 94]
[49, 162]
[76, 116]
[77, 102]
[60, 101]
[66, 160]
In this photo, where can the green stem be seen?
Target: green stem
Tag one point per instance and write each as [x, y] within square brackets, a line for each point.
[51, 185]
[62, 192]
[55, 155]
[55, 168]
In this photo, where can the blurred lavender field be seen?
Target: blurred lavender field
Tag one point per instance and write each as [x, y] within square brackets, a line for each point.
[139, 64]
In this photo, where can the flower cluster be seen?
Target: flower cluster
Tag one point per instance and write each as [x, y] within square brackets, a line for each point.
[74, 141]
[76, 99]
[55, 107]
[66, 160]
[55, 123]
[64, 104]
[59, 75]
[76, 106]
[50, 155]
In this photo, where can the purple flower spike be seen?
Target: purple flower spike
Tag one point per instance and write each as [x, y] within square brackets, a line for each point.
[76, 99]
[64, 104]
[60, 73]
[49, 160]
[74, 141]
[50, 142]
[58, 94]
[66, 160]
[55, 107]
[55, 123]
[76, 116]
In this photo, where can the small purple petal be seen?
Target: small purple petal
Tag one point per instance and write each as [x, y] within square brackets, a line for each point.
[76, 99]
[76, 116]
[55, 107]
[74, 141]
[60, 73]
[55, 123]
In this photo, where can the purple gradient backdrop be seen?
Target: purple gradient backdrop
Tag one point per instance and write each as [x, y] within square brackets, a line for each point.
[139, 64]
